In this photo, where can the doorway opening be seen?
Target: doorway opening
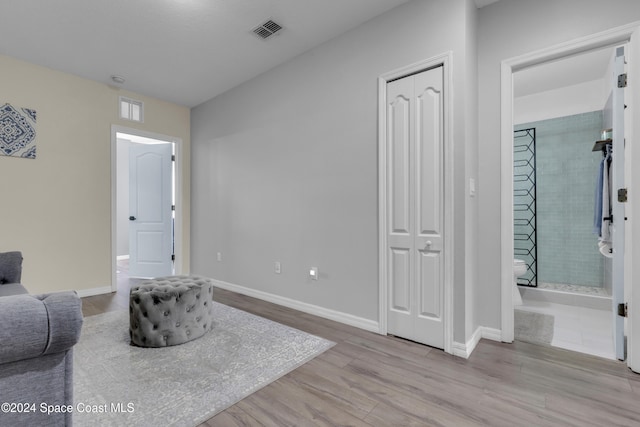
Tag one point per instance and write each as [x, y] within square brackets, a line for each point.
[577, 110]
[145, 190]
[560, 110]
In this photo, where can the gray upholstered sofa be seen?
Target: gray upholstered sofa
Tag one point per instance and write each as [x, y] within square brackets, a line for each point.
[37, 334]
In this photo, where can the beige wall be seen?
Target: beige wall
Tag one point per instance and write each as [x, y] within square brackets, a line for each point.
[56, 209]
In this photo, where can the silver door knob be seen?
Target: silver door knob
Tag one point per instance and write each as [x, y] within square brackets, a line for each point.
[428, 244]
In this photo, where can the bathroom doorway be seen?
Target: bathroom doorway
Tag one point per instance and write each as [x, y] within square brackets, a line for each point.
[510, 69]
[560, 110]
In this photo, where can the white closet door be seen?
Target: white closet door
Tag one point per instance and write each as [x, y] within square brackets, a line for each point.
[415, 119]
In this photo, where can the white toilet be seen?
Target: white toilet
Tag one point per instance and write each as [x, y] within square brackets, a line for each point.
[519, 269]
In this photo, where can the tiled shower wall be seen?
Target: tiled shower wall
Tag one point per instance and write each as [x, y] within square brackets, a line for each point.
[566, 175]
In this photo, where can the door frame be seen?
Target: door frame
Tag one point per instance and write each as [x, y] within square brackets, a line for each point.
[179, 200]
[444, 60]
[609, 38]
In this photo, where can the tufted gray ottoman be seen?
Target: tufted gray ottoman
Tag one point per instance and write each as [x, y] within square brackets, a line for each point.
[170, 310]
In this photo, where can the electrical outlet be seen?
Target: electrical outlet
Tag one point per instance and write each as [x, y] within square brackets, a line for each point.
[277, 268]
[219, 256]
[313, 273]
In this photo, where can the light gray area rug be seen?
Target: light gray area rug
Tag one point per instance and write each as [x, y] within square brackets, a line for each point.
[116, 384]
[532, 327]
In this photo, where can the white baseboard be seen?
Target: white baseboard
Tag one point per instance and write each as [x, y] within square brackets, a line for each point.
[347, 319]
[460, 350]
[94, 291]
[492, 334]
[465, 349]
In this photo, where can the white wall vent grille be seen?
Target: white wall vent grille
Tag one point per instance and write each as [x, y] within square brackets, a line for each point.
[267, 29]
[130, 109]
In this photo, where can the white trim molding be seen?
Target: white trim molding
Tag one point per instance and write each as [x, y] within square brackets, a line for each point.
[94, 291]
[465, 350]
[179, 196]
[445, 60]
[345, 318]
[609, 38]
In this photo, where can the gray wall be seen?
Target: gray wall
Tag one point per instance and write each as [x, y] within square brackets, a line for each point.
[469, 239]
[284, 167]
[505, 33]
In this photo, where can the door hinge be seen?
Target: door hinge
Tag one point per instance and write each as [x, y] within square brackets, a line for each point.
[173, 157]
[622, 195]
[622, 310]
[173, 257]
[173, 207]
[622, 80]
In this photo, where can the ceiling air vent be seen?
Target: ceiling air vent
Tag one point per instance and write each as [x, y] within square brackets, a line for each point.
[267, 29]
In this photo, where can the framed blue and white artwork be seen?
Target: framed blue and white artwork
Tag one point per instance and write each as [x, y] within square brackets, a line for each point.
[17, 132]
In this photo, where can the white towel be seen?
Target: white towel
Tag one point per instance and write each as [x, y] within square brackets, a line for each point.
[605, 249]
[604, 243]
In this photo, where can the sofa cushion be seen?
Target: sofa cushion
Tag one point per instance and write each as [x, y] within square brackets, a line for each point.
[10, 267]
[25, 328]
[12, 289]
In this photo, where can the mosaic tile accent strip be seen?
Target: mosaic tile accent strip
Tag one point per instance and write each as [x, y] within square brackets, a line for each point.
[575, 289]
[17, 132]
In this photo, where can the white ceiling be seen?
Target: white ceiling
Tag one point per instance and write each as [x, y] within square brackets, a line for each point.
[183, 51]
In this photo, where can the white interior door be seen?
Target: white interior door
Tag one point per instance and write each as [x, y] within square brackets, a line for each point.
[415, 121]
[618, 210]
[150, 207]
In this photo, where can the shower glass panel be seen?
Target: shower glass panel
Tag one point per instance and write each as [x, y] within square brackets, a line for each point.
[524, 203]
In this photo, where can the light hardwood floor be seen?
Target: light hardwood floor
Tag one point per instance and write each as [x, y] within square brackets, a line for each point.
[372, 380]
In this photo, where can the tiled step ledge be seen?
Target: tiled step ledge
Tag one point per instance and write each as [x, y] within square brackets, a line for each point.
[597, 302]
